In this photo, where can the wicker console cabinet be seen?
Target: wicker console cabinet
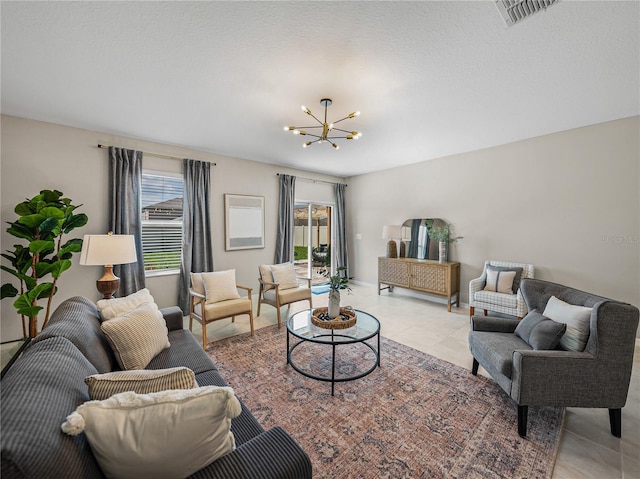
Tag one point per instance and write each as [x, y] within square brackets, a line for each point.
[423, 275]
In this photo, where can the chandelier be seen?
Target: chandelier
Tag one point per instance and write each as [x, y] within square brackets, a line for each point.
[327, 128]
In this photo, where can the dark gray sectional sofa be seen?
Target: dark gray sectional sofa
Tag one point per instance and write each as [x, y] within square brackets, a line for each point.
[47, 383]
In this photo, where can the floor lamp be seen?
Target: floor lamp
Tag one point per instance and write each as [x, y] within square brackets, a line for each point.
[107, 250]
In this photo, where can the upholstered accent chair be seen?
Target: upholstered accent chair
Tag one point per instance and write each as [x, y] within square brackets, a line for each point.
[214, 296]
[280, 286]
[510, 302]
[592, 372]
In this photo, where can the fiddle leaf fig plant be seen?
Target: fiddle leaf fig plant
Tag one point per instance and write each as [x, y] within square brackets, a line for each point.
[42, 222]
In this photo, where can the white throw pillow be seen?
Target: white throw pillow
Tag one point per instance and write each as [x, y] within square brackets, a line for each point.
[170, 434]
[500, 281]
[197, 284]
[577, 319]
[110, 308]
[141, 381]
[220, 285]
[138, 336]
[285, 275]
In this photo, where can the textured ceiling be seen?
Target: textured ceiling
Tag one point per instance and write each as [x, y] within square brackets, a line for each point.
[430, 78]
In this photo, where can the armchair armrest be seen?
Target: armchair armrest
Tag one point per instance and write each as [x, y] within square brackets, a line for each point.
[246, 288]
[271, 455]
[308, 280]
[493, 325]
[173, 317]
[476, 285]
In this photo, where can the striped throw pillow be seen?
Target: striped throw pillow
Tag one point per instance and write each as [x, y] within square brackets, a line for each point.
[500, 281]
[137, 336]
[140, 381]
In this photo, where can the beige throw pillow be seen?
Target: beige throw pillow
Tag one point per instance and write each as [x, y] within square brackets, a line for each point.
[220, 286]
[577, 319]
[138, 336]
[169, 434]
[110, 308]
[140, 381]
[285, 275]
[500, 281]
[197, 284]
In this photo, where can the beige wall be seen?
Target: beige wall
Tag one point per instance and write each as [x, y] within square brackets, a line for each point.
[569, 203]
[37, 155]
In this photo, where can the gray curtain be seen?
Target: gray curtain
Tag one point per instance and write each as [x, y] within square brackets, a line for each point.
[340, 248]
[125, 176]
[197, 252]
[284, 238]
[415, 238]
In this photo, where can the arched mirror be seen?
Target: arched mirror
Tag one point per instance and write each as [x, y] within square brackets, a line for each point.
[415, 235]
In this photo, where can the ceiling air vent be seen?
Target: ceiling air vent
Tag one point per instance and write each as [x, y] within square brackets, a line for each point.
[514, 11]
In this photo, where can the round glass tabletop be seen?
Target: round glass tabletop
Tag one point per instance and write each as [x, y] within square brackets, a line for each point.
[300, 325]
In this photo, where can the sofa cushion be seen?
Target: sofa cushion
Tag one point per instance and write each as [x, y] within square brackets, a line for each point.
[289, 295]
[285, 276]
[577, 319]
[540, 332]
[184, 351]
[137, 336]
[78, 320]
[140, 381]
[496, 349]
[517, 278]
[168, 434]
[43, 387]
[197, 284]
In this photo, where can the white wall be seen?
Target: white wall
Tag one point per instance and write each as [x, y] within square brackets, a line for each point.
[37, 155]
[569, 203]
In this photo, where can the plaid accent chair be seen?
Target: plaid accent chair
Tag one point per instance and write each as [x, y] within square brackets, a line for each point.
[511, 304]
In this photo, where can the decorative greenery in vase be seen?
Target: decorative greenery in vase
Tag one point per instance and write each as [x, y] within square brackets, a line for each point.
[42, 222]
[336, 283]
[442, 234]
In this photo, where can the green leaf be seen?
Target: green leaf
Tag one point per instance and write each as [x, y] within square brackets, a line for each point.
[32, 221]
[50, 195]
[76, 221]
[20, 231]
[71, 246]
[25, 208]
[47, 226]
[43, 268]
[23, 305]
[41, 246]
[52, 212]
[8, 291]
[60, 267]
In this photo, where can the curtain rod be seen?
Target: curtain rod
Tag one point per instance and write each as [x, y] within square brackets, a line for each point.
[315, 181]
[158, 155]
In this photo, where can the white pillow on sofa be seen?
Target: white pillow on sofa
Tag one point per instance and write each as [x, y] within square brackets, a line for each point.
[169, 434]
[110, 308]
[136, 337]
[577, 319]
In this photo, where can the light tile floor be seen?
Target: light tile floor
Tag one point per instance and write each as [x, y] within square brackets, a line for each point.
[587, 448]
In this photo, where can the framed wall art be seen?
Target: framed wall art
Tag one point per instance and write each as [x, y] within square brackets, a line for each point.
[244, 222]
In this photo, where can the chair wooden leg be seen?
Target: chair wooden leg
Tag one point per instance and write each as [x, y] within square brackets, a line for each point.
[251, 321]
[472, 310]
[259, 303]
[519, 318]
[279, 320]
[522, 420]
[190, 323]
[233, 319]
[474, 368]
[485, 312]
[615, 421]
[204, 334]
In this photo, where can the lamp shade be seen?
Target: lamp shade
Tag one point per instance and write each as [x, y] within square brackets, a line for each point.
[108, 250]
[391, 232]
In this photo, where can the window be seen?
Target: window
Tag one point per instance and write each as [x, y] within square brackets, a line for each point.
[161, 221]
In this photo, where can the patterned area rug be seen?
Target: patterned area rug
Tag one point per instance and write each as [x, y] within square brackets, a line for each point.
[414, 417]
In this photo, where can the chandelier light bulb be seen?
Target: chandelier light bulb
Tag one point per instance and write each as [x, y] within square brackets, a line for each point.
[335, 146]
[296, 132]
[331, 126]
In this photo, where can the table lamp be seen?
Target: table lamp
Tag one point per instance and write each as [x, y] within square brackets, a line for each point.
[391, 233]
[107, 250]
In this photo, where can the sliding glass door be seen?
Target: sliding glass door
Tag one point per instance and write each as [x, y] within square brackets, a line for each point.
[312, 240]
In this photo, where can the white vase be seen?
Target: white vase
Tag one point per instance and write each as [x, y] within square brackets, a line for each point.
[334, 303]
[442, 251]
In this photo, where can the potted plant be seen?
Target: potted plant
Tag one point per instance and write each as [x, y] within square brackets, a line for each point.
[336, 283]
[442, 234]
[43, 221]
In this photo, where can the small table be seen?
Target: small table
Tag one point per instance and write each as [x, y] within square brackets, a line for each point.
[300, 326]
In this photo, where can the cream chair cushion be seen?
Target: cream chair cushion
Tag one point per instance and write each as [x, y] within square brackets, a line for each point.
[220, 285]
[224, 309]
[285, 276]
[288, 295]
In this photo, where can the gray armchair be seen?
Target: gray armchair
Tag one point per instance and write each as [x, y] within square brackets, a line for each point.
[597, 377]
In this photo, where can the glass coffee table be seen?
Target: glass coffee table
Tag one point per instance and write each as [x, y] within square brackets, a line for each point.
[300, 326]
